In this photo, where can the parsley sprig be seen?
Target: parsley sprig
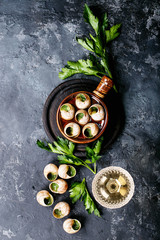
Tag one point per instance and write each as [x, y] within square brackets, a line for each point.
[97, 64]
[79, 191]
[93, 153]
[65, 150]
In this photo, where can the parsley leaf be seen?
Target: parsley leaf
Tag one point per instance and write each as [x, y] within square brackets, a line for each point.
[87, 67]
[79, 191]
[92, 153]
[112, 33]
[91, 19]
[43, 146]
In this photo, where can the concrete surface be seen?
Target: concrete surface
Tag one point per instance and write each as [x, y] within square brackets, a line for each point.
[36, 40]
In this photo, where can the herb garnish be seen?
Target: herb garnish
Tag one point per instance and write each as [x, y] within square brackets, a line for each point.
[96, 65]
[76, 225]
[81, 97]
[54, 187]
[79, 116]
[88, 133]
[79, 190]
[71, 171]
[93, 110]
[65, 149]
[51, 176]
[65, 108]
[48, 201]
[92, 153]
[69, 131]
[58, 212]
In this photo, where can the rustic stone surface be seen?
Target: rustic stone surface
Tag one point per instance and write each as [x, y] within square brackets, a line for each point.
[36, 40]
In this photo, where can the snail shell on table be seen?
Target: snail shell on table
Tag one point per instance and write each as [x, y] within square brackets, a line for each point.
[72, 130]
[82, 101]
[44, 198]
[51, 172]
[82, 117]
[96, 112]
[58, 186]
[66, 171]
[71, 225]
[61, 210]
[67, 111]
[90, 130]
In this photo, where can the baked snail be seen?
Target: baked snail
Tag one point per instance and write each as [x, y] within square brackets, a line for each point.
[82, 101]
[51, 172]
[66, 171]
[58, 186]
[67, 111]
[90, 130]
[61, 210]
[71, 225]
[82, 117]
[44, 198]
[96, 112]
[72, 130]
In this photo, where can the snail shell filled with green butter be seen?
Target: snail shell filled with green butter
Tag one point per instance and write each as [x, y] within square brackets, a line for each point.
[72, 130]
[96, 112]
[71, 225]
[51, 172]
[82, 101]
[62, 209]
[44, 198]
[66, 171]
[67, 111]
[82, 117]
[90, 130]
[58, 186]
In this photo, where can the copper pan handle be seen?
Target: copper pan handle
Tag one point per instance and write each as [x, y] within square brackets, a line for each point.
[103, 87]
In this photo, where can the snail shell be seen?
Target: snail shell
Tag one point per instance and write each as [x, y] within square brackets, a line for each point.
[58, 186]
[82, 117]
[61, 210]
[82, 101]
[44, 198]
[66, 171]
[96, 112]
[71, 225]
[90, 130]
[51, 172]
[67, 111]
[72, 130]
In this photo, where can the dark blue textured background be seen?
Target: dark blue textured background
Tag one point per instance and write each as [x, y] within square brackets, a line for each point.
[36, 40]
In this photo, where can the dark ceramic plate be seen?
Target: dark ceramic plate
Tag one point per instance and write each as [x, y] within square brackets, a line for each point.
[112, 101]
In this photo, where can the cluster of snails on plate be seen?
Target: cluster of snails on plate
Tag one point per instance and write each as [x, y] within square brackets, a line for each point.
[84, 119]
[60, 186]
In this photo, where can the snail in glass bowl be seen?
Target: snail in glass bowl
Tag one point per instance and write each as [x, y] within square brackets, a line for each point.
[67, 111]
[72, 129]
[71, 225]
[66, 171]
[51, 172]
[62, 209]
[44, 198]
[90, 130]
[96, 112]
[58, 186]
[82, 101]
[82, 117]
